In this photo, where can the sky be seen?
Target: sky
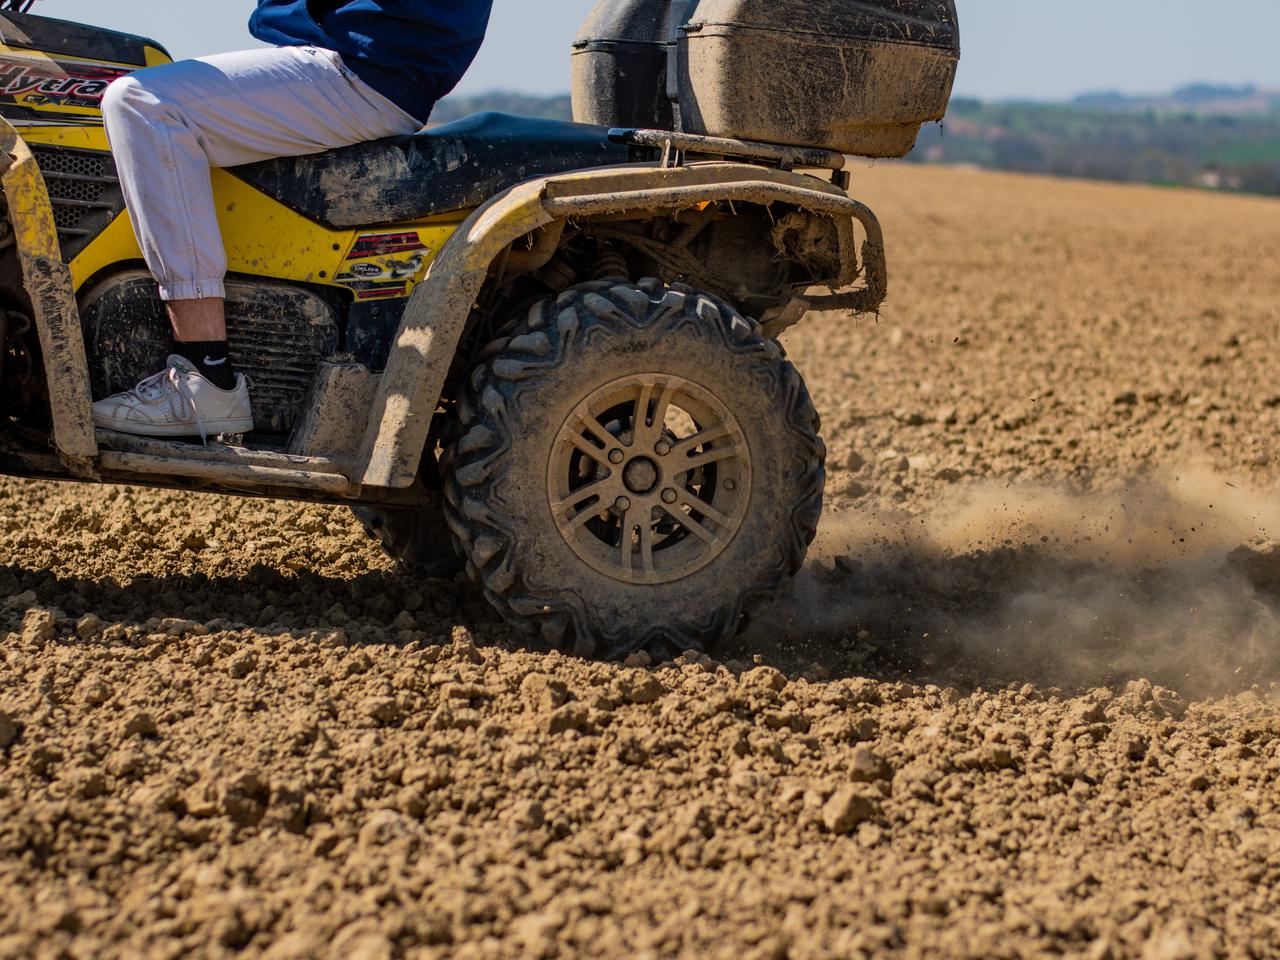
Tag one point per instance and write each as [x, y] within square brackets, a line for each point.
[1013, 49]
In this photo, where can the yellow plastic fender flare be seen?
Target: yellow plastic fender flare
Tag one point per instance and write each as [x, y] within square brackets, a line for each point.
[47, 281]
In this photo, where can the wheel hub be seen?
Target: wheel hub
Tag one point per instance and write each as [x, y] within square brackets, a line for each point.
[650, 478]
[641, 475]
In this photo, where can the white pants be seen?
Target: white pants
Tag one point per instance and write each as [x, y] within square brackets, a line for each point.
[169, 125]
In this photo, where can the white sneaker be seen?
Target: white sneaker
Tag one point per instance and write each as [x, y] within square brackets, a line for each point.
[177, 402]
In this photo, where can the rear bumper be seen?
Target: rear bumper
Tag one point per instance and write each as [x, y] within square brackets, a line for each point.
[47, 282]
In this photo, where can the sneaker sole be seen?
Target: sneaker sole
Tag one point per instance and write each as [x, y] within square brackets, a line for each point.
[211, 427]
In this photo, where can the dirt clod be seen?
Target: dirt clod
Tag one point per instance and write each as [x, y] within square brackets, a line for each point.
[88, 626]
[38, 626]
[141, 724]
[640, 688]
[542, 693]
[765, 678]
[528, 815]
[846, 809]
[572, 716]
[381, 709]
[865, 766]
[242, 664]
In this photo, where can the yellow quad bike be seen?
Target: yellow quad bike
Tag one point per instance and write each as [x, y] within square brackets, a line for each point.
[545, 350]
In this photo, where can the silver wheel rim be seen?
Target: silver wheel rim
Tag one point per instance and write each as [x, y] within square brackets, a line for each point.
[649, 479]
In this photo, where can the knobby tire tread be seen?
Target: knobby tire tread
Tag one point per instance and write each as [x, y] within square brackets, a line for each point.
[539, 349]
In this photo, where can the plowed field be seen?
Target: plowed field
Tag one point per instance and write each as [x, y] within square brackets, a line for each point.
[1023, 703]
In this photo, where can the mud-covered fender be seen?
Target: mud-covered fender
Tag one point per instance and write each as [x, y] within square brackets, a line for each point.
[47, 282]
[437, 313]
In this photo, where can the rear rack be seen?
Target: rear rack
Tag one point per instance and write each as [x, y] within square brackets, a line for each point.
[674, 146]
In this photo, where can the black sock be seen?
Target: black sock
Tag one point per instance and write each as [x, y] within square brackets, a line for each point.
[212, 359]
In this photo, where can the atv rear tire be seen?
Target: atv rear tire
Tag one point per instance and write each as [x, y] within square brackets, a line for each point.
[418, 537]
[635, 464]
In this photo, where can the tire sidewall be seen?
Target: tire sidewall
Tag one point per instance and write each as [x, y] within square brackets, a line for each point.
[527, 401]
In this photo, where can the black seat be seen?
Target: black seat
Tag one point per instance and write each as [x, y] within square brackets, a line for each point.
[454, 167]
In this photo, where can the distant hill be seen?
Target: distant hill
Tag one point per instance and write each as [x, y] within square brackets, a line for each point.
[1213, 137]
[1204, 98]
[523, 105]
[1200, 137]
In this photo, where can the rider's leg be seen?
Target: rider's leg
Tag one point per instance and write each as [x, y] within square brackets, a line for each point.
[168, 126]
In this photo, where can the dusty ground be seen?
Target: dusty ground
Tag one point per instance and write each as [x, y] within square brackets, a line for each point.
[1023, 704]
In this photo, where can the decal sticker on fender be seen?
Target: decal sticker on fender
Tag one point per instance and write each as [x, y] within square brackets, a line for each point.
[372, 289]
[49, 83]
[383, 293]
[384, 244]
[374, 279]
[379, 274]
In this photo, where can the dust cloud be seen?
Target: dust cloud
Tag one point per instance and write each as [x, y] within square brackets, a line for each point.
[1172, 578]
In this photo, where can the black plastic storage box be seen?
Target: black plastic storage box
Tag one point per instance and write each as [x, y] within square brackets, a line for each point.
[855, 76]
[620, 64]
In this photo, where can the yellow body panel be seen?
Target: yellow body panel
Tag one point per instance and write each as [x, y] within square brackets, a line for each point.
[77, 137]
[156, 58]
[264, 238]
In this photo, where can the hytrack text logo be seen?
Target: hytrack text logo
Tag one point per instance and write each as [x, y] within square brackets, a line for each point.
[48, 82]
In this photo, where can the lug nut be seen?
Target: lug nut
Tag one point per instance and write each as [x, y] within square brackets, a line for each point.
[731, 485]
[669, 496]
[662, 448]
[622, 504]
[616, 456]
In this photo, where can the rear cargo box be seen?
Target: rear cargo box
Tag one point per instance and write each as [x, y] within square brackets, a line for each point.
[856, 76]
[859, 78]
